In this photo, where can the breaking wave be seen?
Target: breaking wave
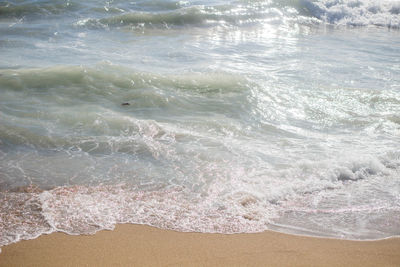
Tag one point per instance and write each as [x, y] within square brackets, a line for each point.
[339, 13]
[181, 13]
[354, 12]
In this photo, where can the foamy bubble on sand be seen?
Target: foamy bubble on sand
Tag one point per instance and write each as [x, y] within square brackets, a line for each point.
[81, 209]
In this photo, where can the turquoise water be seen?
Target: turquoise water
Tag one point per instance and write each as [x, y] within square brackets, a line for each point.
[206, 116]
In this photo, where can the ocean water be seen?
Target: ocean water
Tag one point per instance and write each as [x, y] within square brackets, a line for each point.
[207, 116]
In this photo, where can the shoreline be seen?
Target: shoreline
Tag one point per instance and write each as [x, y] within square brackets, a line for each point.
[130, 244]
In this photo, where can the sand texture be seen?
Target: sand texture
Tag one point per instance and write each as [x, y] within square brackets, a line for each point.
[138, 245]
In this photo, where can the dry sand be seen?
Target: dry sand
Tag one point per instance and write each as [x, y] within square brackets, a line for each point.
[138, 245]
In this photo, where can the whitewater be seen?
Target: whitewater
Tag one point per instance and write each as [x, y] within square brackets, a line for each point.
[200, 116]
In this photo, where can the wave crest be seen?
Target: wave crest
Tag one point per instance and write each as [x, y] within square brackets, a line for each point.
[354, 12]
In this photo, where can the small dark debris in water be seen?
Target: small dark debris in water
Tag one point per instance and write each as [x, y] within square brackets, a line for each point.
[125, 104]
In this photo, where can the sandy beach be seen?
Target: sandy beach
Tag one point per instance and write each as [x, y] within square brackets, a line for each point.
[138, 245]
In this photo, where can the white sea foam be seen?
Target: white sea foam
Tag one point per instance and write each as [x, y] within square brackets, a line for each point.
[356, 12]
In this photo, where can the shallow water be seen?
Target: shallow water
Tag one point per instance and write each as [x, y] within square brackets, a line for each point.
[239, 116]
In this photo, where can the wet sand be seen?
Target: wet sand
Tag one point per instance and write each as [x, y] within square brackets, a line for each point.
[138, 245]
